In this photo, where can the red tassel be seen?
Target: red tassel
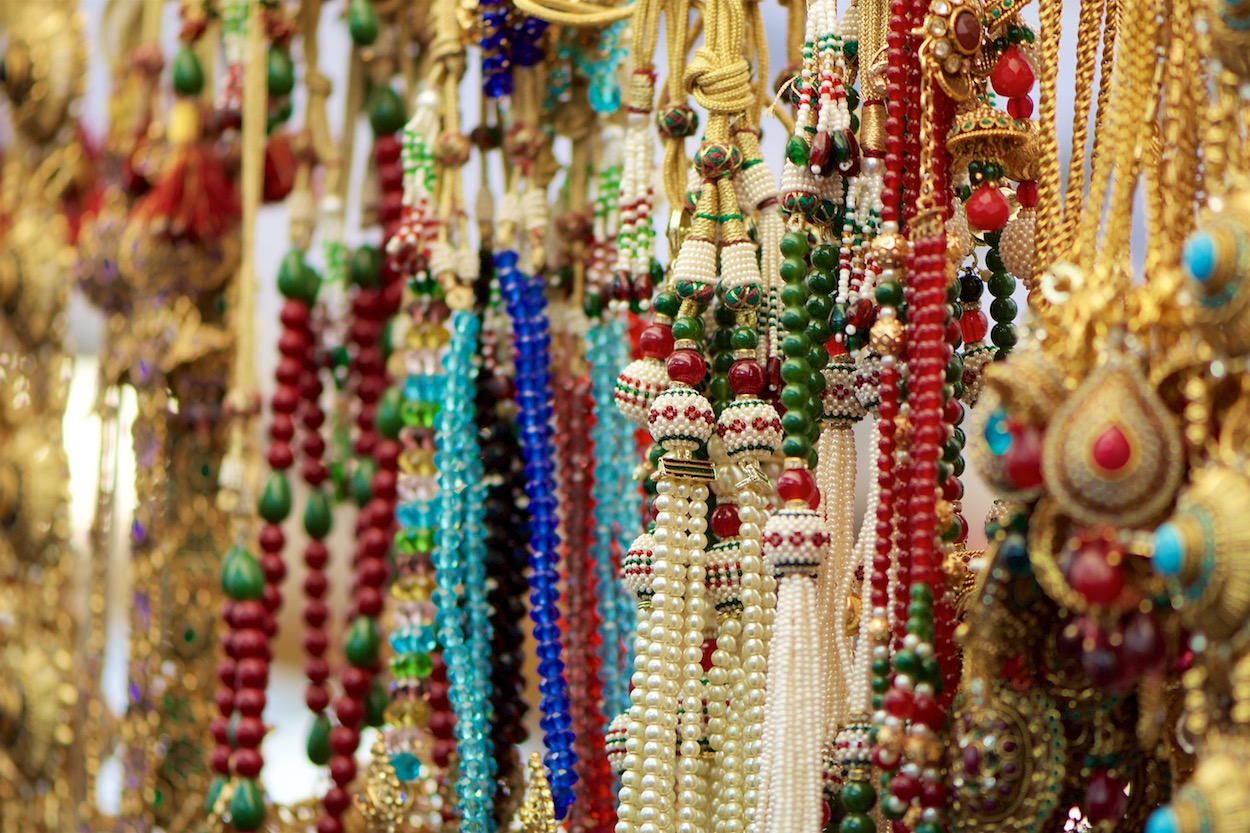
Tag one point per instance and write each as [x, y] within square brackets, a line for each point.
[193, 201]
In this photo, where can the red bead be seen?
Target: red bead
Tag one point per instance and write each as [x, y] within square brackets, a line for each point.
[656, 341]
[344, 741]
[381, 513]
[294, 315]
[384, 483]
[315, 642]
[796, 484]
[253, 673]
[386, 149]
[1111, 450]
[369, 601]
[316, 555]
[219, 760]
[316, 669]
[443, 752]
[1022, 464]
[390, 177]
[374, 543]
[898, 703]
[929, 713]
[974, 325]
[250, 642]
[294, 344]
[904, 787]
[686, 366]
[317, 698]
[932, 793]
[885, 759]
[746, 377]
[987, 208]
[372, 572]
[249, 732]
[368, 360]
[271, 538]
[1026, 193]
[1104, 798]
[281, 428]
[1143, 644]
[313, 472]
[329, 824]
[223, 699]
[273, 567]
[1093, 575]
[1020, 108]
[315, 613]
[226, 669]
[250, 702]
[442, 724]
[285, 399]
[725, 522]
[289, 371]
[248, 762]
[315, 585]
[337, 801]
[391, 206]
[820, 156]
[350, 712]
[1013, 75]
[342, 769]
[280, 456]
[219, 727]
[272, 599]
[356, 682]
[371, 388]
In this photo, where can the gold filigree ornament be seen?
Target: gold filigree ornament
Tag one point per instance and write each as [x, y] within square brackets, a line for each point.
[1217, 798]
[383, 801]
[953, 38]
[982, 132]
[1216, 260]
[45, 62]
[1009, 760]
[34, 699]
[33, 265]
[537, 813]
[1113, 452]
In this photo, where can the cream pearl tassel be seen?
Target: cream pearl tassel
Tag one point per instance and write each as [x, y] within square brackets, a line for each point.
[836, 477]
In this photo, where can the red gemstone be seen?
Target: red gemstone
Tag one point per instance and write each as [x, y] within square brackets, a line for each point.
[974, 325]
[932, 793]
[904, 787]
[1093, 576]
[686, 366]
[987, 208]
[746, 377]
[1112, 450]
[796, 484]
[248, 762]
[967, 27]
[1013, 76]
[972, 761]
[1026, 193]
[656, 341]
[930, 713]
[1104, 798]
[1022, 464]
[899, 703]
[725, 522]
[821, 156]
[1020, 108]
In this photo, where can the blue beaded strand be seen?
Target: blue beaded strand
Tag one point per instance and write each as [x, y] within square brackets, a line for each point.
[609, 492]
[526, 306]
[464, 628]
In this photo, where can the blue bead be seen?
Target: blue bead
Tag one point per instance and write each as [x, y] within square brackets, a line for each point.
[1014, 552]
[1200, 256]
[407, 766]
[1169, 550]
[997, 435]
[1163, 820]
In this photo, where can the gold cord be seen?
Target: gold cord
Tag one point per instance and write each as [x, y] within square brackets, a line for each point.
[574, 12]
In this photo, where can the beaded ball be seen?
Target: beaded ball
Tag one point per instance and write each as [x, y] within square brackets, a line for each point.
[975, 360]
[681, 419]
[714, 160]
[637, 387]
[724, 574]
[749, 427]
[636, 567]
[795, 542]
[868, 381]
[614, 742]
[677, 122]
[841, 394]
[1016, 245]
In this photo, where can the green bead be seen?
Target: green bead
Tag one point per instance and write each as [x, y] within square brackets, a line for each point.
[795, 371]
[929, 827]
[943, 471]
[816, 384]
[362, 22]
[857, 823]
[991, 238]
[951, 450]
[795, 345]
[795, 397]
[241, 576]
[994, 261]
[361, 645]
[796, 447]
[858, 796]
[797, 151]
[724, 316]
[825, 257]
[818, 331]
[794, 245]
[889, 293]
[386, 110]
[793, 270]
[920, 611]
[820, 282]
[667, 303]
[390, 415]
[722, 362]
[318, 517]
[881, 667]
[656, 270]
[793, 295]
[952, 532]
[1003, 336]
[959, 389]
[794, 319]
[744, 338]
[214, 794]
[188, 74]
[376, 702]
[819, 306]
[319, 750]
[930, 671]
[841, 147]
[365, 269]
[275, 500]
[687, 327]
[362, 480]
[296, 280]
[280, 72]
[592, 304]
[921, 592]
[817, 357]
[813, 460]
[247, 806]
[796, 422]
[1003, 310]
[1001, 285]
[906, 662]
[955, 368]
[957, 468]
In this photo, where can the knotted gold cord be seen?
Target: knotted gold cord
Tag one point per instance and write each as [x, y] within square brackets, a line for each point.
[678, 37]
[576, 13]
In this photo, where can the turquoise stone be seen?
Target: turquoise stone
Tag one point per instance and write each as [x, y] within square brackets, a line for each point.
[997, 437]
[406, 765]
[1163, 820]
[1169, 550]
[1201, 256]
